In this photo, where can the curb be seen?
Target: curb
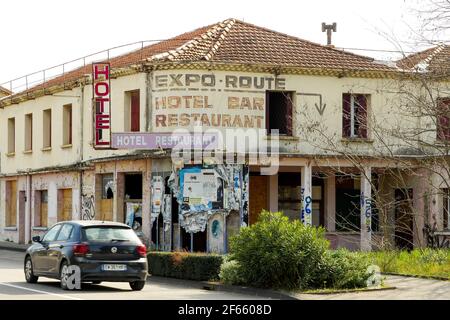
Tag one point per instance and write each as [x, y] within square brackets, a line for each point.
[4, 245]
[416, 276]
[351, 291]
[216, 286]
[208, 285]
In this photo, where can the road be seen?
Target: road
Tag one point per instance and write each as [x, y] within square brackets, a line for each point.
[14, 287]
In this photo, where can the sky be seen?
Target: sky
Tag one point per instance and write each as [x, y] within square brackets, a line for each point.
[36, 35]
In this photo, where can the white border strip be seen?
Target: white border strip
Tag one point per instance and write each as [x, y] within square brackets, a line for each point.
[40, 291]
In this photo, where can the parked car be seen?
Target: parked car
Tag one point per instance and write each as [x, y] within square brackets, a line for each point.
[104, 251]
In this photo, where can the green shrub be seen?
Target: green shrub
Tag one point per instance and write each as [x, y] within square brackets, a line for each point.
[342, 269]
[231, 273]
[278, 253]
[185, 265]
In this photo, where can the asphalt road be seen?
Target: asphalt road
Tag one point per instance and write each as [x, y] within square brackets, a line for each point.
[14, 287]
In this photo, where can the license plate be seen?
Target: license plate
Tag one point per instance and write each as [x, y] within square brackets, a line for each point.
[114, 267]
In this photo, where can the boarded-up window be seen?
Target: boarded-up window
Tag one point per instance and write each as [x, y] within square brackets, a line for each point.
[67, 124]
[47, 128]
[29, 132]
[64, 204]
[11, 203]
[443, 119]
[279, 112]
[41, 208]
[132, 111]
[11, 135]
[354, 115]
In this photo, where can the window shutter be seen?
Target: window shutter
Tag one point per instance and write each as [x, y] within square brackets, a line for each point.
[346, 115]
[267, 113]
[135, 112]
[288, 97]
[443, 119]
[361, 117]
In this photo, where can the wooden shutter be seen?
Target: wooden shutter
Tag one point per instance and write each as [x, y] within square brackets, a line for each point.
[443, 119]
[289, 115]
[346, 98]
[361, 117]
[135, 111]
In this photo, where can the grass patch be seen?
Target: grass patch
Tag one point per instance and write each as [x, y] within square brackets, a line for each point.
[419, 262]
[333, 291]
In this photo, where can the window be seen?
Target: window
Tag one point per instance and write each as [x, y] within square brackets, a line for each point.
[65, 233]
[443, 119]
[67, 124]
[354, 119]
[279, 112]
[51, 234]
[11, 135]
[29, 132]
[132, 111]
[11, 203]
[446, 209]
[41, 208]
[64, 204]
[107, 186]
[47, 127]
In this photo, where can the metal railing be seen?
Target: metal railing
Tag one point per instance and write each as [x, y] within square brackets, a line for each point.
[31, 80]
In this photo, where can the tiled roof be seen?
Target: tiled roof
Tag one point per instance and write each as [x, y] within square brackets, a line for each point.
[235, 41]
[435, 60]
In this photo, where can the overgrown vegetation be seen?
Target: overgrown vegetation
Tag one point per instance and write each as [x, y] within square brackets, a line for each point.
[421, 262]
[185, 265]
[278, 253]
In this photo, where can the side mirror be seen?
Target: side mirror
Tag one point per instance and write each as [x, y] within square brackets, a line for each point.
[36, 239]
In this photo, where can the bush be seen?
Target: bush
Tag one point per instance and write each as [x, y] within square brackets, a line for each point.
[278, 253]
[231, 273]
[342, 269]
[185, 265]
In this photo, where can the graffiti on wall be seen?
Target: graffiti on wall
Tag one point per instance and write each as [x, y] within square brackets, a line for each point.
[87, 207]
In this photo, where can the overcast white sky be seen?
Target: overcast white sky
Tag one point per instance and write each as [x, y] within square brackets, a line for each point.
[39, 34]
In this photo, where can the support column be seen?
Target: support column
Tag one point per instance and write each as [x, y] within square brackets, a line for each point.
[306, 196]
[330, 203]
[366, 210]
[273, 193]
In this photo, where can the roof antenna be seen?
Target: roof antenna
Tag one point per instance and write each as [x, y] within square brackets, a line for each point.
[329, 28]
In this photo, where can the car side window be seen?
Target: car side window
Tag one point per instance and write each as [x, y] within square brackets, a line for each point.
[51, 234]
[65, 233]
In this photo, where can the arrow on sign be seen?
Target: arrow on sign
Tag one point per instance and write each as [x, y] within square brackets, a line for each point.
[321, 109]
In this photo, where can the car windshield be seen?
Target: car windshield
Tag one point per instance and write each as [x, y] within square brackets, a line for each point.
[108, 233]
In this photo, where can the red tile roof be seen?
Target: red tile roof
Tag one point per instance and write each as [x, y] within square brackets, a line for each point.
[435, 60]
[238, 42]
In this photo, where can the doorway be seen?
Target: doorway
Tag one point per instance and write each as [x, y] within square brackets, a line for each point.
[258, 197]
[133, 200]
[404, 219]
[22, 200]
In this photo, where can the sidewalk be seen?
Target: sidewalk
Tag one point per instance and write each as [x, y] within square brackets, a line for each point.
[13, 246]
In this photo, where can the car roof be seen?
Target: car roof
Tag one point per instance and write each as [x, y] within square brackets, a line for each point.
[93, 223]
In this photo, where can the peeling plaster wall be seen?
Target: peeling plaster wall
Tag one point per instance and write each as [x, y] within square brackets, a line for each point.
[118, 169]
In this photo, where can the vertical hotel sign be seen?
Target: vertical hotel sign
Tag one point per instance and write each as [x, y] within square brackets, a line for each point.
[101, 105]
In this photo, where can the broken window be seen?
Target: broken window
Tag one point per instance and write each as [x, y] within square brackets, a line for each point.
[354, 119]
[443, 119]
[279, 112]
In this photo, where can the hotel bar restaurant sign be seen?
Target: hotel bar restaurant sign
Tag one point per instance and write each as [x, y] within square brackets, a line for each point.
[102, 105]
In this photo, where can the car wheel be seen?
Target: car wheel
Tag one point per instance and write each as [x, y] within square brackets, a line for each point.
[137, 285]
[28, 269]
[64, 275]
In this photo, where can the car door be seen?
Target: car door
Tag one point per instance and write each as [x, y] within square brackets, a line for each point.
[56, 249]
[41, 260]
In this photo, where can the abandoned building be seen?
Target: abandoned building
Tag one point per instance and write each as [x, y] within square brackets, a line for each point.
[339, 165]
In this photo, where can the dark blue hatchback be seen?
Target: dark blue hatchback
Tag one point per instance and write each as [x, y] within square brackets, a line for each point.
[103, 251]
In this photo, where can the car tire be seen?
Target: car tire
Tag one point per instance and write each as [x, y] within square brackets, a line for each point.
[137, 285]
[63, 275]
[28, 270]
